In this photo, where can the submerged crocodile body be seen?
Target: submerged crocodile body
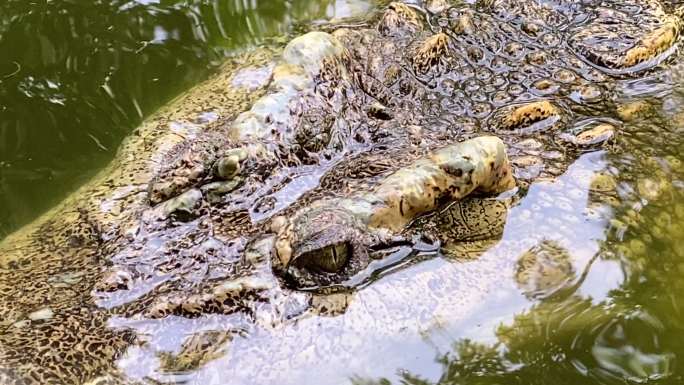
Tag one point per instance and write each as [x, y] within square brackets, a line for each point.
[255, 212]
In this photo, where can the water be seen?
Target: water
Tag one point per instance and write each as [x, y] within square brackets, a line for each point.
[620, 320]
[77, 76]
[621, 323]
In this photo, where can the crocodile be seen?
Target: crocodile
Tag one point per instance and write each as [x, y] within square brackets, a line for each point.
[277, 212]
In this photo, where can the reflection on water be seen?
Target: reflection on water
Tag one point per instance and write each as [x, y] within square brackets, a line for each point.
[77, 76]
[562, 298]
[622, 323]
[582, 288]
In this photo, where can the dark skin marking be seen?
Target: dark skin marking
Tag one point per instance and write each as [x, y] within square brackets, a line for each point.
[456, 172]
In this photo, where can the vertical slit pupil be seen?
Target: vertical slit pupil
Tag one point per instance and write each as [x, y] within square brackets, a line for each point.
[334, 254]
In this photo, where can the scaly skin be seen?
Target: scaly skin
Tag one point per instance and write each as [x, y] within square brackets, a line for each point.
[352, 225]
[180, 230]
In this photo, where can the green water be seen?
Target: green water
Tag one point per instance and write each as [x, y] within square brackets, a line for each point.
[76, 76]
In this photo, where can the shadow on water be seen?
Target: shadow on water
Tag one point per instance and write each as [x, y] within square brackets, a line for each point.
[76, 77]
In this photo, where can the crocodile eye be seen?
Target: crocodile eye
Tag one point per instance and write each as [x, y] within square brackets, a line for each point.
[330, 258]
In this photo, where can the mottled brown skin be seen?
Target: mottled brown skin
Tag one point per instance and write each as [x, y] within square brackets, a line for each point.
[528, 114]
[465, 226]
[53, 329]
[197, 351]
[400, 18]
[400, 88]
[653, 34]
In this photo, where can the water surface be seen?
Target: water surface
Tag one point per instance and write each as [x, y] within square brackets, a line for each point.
[76, 77]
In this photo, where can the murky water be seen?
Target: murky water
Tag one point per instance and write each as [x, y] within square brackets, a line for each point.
[76, 77]
[615, 315]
